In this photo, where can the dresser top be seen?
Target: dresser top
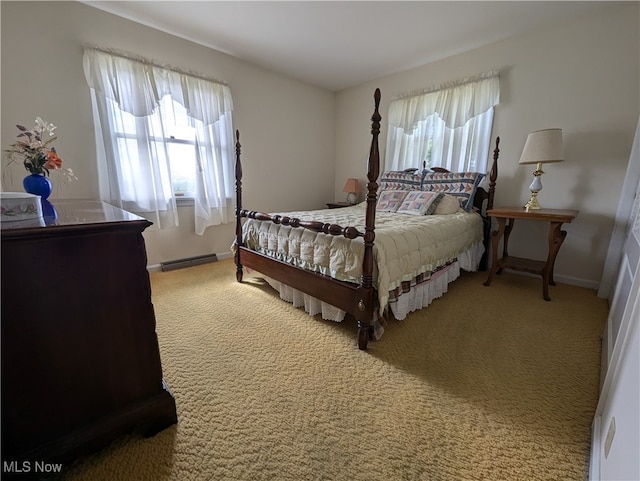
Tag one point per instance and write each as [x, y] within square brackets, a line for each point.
[76, 214]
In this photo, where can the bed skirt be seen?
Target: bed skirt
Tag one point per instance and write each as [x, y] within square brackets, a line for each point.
[411, 297]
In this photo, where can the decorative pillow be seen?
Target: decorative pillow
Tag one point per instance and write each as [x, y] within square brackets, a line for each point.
[390, 200]
[420, 203]
[447, 205]
[462, 185]
[399, 180]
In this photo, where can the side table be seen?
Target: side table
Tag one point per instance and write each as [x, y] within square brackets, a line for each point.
[337, 205]
[555, 218]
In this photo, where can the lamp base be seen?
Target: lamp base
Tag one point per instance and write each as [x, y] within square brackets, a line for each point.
[535, 187]
[352, 198]
[533, 203]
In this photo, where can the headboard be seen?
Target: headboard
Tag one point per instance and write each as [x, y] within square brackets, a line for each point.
[458, 185]
[481, 194]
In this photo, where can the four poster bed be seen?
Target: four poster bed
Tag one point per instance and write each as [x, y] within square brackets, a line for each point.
[340, 266]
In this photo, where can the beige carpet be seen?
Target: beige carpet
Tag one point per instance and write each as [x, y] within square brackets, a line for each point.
[488, 383]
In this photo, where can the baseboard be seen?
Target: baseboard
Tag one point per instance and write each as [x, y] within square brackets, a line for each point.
[188, 262]
[594, 455]
[226, 255]
[572, 281]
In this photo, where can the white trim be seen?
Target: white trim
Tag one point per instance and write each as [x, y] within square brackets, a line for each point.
[575, 281]
[572, 281]
[596, 449]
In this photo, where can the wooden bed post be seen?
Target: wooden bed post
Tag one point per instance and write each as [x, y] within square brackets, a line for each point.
[493, 175]
[366, 303]
[238, 208]
[486, 231]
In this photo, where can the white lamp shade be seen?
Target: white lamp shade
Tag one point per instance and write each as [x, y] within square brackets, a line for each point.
[543, 146]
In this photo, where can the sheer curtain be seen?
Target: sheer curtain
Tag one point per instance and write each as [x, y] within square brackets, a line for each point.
[134, 142]
[448, 126]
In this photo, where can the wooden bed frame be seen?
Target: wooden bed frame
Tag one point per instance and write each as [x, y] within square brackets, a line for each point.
[360, 299]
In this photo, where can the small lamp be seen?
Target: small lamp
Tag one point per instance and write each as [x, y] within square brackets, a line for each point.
[541, 147]
[352, 187]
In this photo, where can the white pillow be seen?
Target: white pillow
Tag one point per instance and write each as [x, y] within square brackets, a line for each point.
[420, 203]
[447, 205]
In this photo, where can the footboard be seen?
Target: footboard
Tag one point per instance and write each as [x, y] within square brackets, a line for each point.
[356, 299]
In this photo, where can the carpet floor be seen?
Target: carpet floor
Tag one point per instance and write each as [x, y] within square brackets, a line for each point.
[487, 383]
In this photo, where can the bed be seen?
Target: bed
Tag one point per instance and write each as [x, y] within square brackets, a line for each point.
[390, 254]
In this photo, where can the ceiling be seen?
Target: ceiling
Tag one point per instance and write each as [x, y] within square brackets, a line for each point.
[337, 44]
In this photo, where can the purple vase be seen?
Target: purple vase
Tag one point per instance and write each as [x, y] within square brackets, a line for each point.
[38, 184]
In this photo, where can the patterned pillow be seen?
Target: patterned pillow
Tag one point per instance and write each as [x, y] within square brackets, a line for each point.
[420, 203]
[390, 200]
[462, 185]
[398, 180]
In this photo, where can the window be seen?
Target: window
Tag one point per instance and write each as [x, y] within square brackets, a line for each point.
[161, 134]
[180, 142]
[448, 126]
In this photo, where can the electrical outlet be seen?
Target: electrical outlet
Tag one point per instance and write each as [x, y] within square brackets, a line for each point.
[610, 434]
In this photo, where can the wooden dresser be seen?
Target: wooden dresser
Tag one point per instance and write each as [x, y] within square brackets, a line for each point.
[80, 358]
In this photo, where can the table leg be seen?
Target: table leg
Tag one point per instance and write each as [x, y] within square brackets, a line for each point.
[556, 238]
[495, 241]
[505, 242]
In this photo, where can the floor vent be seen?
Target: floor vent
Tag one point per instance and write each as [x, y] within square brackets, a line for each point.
[188, 262]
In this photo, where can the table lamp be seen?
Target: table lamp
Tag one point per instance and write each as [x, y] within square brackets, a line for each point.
[352, 187]
[541, 147]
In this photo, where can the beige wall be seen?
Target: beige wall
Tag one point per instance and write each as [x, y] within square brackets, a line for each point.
[286, 126]
[581, 76]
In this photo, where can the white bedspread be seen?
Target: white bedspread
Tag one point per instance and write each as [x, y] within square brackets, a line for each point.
[404, 247]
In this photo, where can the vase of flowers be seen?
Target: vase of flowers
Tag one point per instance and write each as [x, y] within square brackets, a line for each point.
[38, 184]
[38, 156]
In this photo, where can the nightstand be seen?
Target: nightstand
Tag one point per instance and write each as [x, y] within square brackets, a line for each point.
[555, 218]
[337, 205]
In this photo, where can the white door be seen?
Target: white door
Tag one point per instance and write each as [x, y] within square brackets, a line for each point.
[626, 274]
[616, 425]
[623, 253]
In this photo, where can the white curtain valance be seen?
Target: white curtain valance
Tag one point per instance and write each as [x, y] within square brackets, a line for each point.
[137, 86]
[138, 105]
[455, 102]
